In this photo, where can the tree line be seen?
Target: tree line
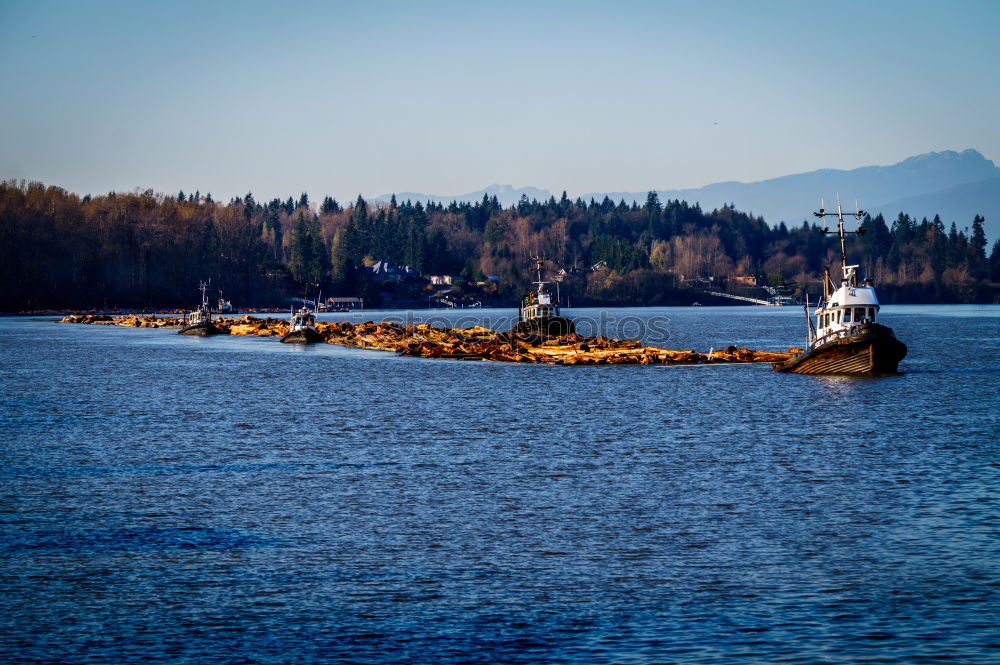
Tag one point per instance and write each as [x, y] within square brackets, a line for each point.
[144, 249]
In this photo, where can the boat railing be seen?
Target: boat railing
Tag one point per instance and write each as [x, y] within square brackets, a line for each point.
[850, 331]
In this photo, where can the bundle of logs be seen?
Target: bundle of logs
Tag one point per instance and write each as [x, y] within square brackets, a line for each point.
[477, 343]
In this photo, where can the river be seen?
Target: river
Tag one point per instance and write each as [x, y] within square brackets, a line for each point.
[168, 499]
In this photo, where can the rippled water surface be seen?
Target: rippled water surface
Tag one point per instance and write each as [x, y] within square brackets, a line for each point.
[233, 500]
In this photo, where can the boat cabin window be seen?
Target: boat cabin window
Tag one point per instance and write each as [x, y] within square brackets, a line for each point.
[871, 314]
[859, 314]
[826, 320]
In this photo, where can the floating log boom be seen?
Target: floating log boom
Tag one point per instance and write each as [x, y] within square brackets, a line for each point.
[477, 343]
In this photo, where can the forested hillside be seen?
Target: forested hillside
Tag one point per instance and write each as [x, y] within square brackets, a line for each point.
[141, 249]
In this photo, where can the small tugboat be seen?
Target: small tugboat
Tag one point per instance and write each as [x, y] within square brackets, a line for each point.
[538, 314]
[303, 326]
[200, 321]
[225, 306]
[846, 339]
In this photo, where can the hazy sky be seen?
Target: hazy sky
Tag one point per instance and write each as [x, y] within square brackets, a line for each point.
[343, 98]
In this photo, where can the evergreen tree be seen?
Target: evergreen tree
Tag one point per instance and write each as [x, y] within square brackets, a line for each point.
[361, 208]
[957, 245]
[249, 206]
[978, 240]
[523, 206]
[309, 259]
[653, 207]
[339, 261]
[357, 240]
[877, 238]
[656, 221]
[902, 231]
[477, 216]
[415, 253]
[978, 265]
[938, 245]
[329, 206]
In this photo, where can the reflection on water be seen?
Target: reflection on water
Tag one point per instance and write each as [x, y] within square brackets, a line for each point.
[176, 499]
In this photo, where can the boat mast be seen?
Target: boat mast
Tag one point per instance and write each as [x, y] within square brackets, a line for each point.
[559, 278]
[538, 267]
[858, 214]
[810, 334]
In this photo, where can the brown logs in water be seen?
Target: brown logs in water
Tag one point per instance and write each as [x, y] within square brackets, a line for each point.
[476, 343]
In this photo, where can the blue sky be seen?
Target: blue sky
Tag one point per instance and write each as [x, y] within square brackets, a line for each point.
[348, 98]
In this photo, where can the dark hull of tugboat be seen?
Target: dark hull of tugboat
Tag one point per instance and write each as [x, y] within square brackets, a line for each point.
[871, 351]
[304, 336]
[547, 326]
[200, 330]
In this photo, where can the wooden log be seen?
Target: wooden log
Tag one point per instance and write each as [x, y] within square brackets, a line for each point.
[474, 343]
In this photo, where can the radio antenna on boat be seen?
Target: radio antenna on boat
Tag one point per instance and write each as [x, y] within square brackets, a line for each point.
[858, 213]
[201, 287]
[539, 262]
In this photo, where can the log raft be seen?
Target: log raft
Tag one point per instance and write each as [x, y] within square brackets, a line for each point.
[476, 343]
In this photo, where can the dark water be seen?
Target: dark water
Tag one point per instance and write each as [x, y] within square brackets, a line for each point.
[234, 500]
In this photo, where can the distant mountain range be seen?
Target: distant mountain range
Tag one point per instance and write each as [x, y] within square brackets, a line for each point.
[960, 204]
[955, 185]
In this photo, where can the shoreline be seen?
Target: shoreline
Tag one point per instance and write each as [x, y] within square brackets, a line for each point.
[284, 311]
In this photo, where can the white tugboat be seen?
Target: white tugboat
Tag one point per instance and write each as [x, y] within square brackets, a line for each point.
[846, 338]
[303, 326]
[225, 306]
[200, 321]
[538, 314]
